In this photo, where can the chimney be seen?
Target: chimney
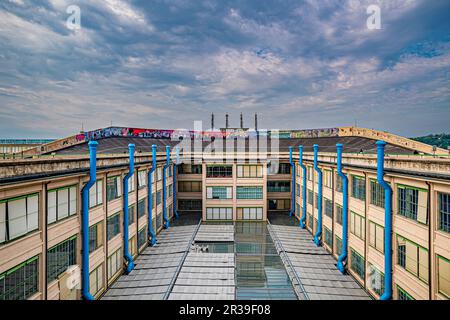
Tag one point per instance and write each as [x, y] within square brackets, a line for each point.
[226, 121]
[212, 121]
[242, 122]
[256, 122]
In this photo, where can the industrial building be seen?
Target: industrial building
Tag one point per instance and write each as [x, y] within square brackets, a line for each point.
[81, 215]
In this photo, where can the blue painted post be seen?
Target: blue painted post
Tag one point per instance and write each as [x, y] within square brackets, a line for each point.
[343, 257]
[303, 219]
[318, 235]
[127, 255]
[85, 219]
[293, 183]
[166, 219]
[152, 236]
[387, 295]
[177, 161]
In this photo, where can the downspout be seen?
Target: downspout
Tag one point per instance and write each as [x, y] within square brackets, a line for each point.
[166, 219]
[174, 184]
[387, 295]
[127, 255]
[293, 183]
[152, 236]
[318, 235]
[343, 257]
[303, 219]
[85, 219]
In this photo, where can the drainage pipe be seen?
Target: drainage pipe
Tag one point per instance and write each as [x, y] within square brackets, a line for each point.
[85, 219]
[152, 235]
[166, 219]
[293, 183]
[174, 184]
[318, 235]
[303, 219]
[343, 257]
[128, 258]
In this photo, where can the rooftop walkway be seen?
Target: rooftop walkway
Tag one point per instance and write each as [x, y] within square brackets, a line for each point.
[312, 269]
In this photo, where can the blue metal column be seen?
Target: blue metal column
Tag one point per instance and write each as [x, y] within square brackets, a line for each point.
[303, 219]
[343, 257]
[85, 219]
[127, 255]
[387, 295]
[293, 183]
[152, 236]
[177, 160]
[318, 235]
[166, 219]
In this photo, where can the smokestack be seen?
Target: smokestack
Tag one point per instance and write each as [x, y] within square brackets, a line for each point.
[256, 122]
[226, 120]
[242, 122]
[212, 121]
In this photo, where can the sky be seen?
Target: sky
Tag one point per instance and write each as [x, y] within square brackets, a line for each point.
[165, 64]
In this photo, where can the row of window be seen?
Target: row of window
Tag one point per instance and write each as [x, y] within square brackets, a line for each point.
[252, 213]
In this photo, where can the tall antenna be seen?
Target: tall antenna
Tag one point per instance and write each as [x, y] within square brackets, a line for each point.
[242, 122]
[226, 120]
[256, 122]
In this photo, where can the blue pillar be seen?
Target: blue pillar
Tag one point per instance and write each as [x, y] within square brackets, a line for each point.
[127, 255]
[343, 257]
[174, 185]
[152, 236]
[293, 183]
[318, 235]
[303, 219]
[387, 295]
[166, 219]
[85, 220]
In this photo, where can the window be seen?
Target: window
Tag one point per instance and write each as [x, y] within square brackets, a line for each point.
[403, 295]
[113, 225]
[310, 197]
[443, 267]
[358, 187]
[298, 190]
[142, 237]
[249, 213]
[338, 214]
[249, 171]
[96, 280]
[219, 213]
[159, 221]
[131, 183]
[95, 236]
[60, 257]
[170, 170]
[316, 203]
[281, 168]
[328, 207]
[376, 194]
[20, 282]
[159, 173]
[444, 212]
[357, 225]
[375, 280]
[278, 186]
[310, 221]
[249, 193]
[279, 204]
[309, 170]
[170, 210]
[357, 264]
[132, 246]
[113, 188]
[158, 198]
[141, 209]
[412, 258]
[339, 183]
[219, 171]
[327, 178]
[61, 203]
[412, 203]
[169, 190]
[131, 214]
[18, 216]
[328, 237]
[189, 186]
[338, 242]
[115, 263]
[219, 192]
[189, 204]
[376, 236]
[96, 194]
[190, 169]
[142, 179]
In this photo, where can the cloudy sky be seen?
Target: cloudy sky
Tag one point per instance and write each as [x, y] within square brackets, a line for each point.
[165, 63]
